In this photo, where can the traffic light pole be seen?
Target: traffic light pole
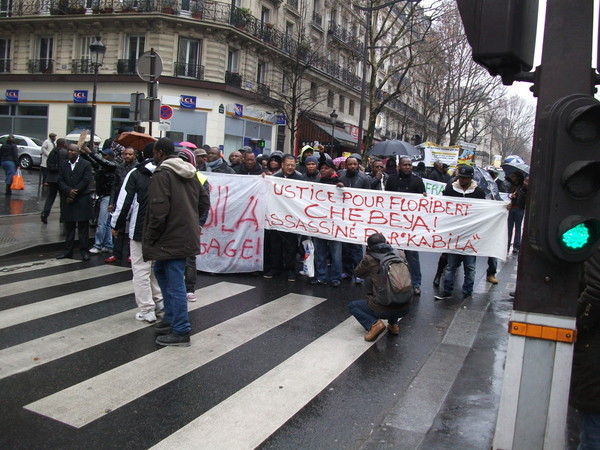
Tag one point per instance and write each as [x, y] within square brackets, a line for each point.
[535, 391]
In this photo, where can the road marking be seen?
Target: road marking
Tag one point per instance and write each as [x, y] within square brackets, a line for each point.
[252, 414]
[25, 313]
[92, 399]
[19, 287]
[28, 355]
[36, 265]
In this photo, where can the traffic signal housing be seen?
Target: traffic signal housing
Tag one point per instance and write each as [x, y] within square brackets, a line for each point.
[564, 209]
[261, 143]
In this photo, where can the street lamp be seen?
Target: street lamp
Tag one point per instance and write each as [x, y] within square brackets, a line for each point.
[334, 117]
[97, 50]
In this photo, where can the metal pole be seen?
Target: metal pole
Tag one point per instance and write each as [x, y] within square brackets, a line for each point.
[93, 125]
[365, 57]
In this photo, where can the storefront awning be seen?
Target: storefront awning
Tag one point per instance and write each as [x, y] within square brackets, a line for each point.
[345, 139]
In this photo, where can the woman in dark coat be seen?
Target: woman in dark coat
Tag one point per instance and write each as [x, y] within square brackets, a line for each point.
[9, 154]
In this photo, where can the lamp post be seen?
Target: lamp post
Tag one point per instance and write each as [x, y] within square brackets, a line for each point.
[97, 50]
[334, 117]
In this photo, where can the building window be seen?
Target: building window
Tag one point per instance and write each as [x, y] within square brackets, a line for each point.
[330, 98]
[233, 57]
[79, 117]
[265, 15]
[135, 47]
[28, 120]
[6, 8]
[342, 103]
[261, 72]
[351, 107]
[285, 85]
[120, 119]
[314, 91]
[44, 63]
[5, 55]
[188, 59]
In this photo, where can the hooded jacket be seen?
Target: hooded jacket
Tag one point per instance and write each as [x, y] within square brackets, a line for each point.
[176, 201]
[453, 189]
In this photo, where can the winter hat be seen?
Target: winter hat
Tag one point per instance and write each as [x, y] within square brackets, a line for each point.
[357, 156]
[326, 162]
[187, 155]
[312, 159]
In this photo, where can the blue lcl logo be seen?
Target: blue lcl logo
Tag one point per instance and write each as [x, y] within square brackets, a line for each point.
[12, 95]
[187, 102]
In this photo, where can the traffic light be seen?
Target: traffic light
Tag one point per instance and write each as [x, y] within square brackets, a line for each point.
[261, 143]
[564, 210]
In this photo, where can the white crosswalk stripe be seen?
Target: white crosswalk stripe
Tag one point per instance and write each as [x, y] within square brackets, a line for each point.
[20, 287]
[23, 357]
[281, 393]
[36, 265]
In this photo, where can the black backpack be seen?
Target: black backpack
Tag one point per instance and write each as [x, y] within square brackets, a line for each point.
[52, 161]
[395, 286]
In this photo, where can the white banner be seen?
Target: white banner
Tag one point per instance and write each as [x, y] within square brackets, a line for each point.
[409, 221]
[232, 238]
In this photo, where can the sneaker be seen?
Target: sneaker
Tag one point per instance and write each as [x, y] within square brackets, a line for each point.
[111, 259]
[162, 327]
[393, 329]
[174, 340]
[315, 281]
[417, 291]
[191, 297]
[95, 250]
[492, 279]
[106, 250]
[376, 329]
[270, 274]
[291, 276]
[344, 276]
[159, 307]
[149, 316]
[335, 283]
[443, 296]
[358, 280]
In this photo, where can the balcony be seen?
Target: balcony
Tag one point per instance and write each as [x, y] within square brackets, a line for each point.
[194, 71]
[263, 90]
[233, 79]
[5, 65]
[81, 66]
[45, 66]
[126, 67]
[340, 33]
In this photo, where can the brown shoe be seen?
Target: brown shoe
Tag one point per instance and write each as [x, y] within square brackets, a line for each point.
[492, 279]
[376, 329]
[393, 329]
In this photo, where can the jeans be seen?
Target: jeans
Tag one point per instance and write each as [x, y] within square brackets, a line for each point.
[10, 169]
[589, 439]
[169, 274]
[367, 317]
[454, 261]
[191, 274]
[515, 219]
[414, 267]
[351, 256]
[145, 286]
[492, 266]
[323, 249]
[103, 237]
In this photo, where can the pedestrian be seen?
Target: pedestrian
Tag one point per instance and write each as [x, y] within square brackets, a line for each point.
[131, 204]
[420, 169]
[249, 165]
[200, 155]
[47, 146]
[235, 159]
[406, 181]
[464, 186]
[9, 157]
[55, 159]
[305, 152]
[129, 163]
[328, 252]
[312, 169]
[368, 312]
[585, 378]
[438, 173]
[283, 246]
[171, 233]
[518, 199]
[105, 167]
[76, 209]
[214, 162]
[378, 175]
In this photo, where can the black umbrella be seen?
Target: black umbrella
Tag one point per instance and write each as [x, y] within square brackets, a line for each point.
[510, 168]
[393, 148]
[485, 181]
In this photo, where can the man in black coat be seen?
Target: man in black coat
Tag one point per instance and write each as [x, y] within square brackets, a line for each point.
[406, 181]
[76, 210]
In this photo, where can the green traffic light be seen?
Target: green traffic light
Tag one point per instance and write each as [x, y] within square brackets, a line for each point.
[577, 237]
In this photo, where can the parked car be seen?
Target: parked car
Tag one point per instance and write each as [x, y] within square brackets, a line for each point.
[30, 150]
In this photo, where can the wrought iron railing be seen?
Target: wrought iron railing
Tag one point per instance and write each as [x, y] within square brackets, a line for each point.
[263, 89]
[40, 65]
[233, 79]
[343, 35]
[81, 66]
[189, 70]
[126, 66]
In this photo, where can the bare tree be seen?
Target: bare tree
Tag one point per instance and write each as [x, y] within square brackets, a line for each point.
[512, 127]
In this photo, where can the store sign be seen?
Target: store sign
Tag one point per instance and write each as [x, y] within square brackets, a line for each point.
[221, 109]
[12, 95]
[187, 102]
[80, 96]
[280, 119]
[238, 110]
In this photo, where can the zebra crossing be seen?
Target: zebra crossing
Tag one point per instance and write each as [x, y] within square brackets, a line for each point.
[233, 321]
